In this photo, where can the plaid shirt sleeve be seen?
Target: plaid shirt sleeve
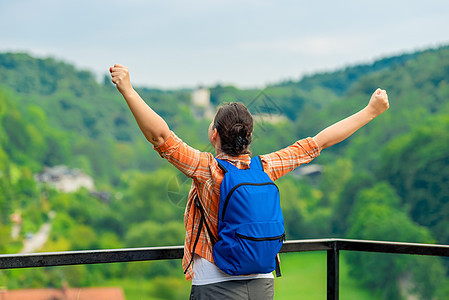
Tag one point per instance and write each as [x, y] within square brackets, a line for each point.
[279, 163]
[185, 158]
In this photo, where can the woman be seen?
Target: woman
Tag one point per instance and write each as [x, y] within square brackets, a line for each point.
[230, 134]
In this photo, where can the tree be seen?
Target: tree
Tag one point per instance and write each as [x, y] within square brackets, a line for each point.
[417, 165]
[348, 197]
[377, 215]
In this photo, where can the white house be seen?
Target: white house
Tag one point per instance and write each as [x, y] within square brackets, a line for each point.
[202, 108]
[64, 179]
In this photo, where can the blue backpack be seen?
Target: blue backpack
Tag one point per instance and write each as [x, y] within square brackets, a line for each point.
[250, 225]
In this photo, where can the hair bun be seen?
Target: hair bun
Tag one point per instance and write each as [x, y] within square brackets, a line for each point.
[234, 124]
[238, 128]
[241, 142]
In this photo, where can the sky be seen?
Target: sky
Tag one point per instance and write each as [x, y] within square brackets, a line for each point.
[185, 44]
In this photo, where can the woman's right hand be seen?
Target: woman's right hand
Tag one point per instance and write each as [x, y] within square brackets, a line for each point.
[120, 77]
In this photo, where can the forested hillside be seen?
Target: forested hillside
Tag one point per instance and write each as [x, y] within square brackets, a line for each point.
[390, 181]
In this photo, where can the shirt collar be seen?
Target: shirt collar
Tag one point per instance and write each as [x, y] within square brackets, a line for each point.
[240, 161]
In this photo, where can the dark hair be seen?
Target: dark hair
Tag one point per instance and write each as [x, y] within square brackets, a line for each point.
[234, 124]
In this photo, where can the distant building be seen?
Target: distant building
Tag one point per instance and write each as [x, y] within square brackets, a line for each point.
[103, 196]
[201, 97]
[260, 119]
[202, 107]
[311, 171]
[64, 294]
[266, 110]
[64, 179]
[16, 219]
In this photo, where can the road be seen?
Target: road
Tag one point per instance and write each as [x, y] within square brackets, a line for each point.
[38, 240]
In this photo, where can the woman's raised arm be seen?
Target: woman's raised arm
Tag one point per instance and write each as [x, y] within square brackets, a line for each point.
[343, 129]
[153, 127]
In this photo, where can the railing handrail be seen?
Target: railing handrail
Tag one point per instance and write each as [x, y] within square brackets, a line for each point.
[47, 259]
[332, 246]
[366, 246]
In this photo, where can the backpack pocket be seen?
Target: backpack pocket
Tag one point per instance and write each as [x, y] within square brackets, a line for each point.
[256, 246]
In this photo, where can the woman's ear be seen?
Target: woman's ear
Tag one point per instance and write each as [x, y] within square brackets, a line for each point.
[214, 134]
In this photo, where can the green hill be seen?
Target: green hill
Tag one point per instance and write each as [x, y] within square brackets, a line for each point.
[388, 181]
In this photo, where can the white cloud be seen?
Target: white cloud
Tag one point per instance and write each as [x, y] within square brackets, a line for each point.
[180, 42]
[320, 45]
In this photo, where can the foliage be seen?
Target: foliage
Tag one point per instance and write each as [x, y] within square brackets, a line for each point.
[375, 185]
[377, 215]
[416, 164]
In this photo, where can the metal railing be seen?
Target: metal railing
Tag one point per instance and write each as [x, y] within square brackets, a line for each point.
[332, 246]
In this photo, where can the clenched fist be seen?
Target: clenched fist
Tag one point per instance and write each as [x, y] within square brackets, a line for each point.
[120, 77]
[378, 102]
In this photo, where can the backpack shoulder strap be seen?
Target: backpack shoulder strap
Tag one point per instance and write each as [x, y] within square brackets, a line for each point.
[225, 165]
[256, 163]
[203, 221]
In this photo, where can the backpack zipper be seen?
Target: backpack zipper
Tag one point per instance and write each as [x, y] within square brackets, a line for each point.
[225, 205]
[273, 238]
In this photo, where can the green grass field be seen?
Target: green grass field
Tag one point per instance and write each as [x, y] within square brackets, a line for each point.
[304, 278]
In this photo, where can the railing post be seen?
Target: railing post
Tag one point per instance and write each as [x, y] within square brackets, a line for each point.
[333, 272]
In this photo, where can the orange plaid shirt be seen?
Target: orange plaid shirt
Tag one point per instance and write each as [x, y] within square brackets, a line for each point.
[207, 177]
